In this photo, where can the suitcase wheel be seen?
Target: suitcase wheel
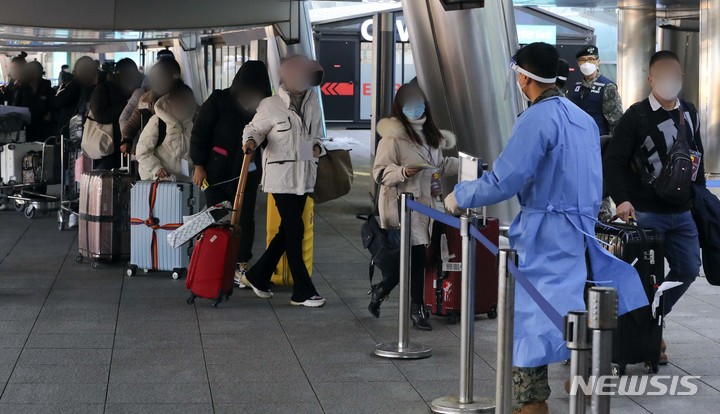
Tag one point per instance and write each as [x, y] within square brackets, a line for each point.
[618, 370]
[493, 313]
[453, 319]
[178, 273]
[146, 271]
[216, 302]
[3, 206]
[131, 270]
[19, 205]
[191, 300]
[78, 259]
[566, 362]
[96, 265]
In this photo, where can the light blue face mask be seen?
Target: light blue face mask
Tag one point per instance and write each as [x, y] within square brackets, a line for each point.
[414, 110]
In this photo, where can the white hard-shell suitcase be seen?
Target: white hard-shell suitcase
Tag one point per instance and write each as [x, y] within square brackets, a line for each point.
[156, 209]
[11, 156]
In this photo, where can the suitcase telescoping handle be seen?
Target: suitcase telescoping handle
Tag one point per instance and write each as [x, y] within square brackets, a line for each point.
[240, 193]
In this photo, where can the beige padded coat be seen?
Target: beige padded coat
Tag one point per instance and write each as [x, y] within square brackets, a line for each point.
[397, 150]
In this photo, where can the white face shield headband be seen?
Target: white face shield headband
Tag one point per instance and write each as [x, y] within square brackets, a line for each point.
[514, 66]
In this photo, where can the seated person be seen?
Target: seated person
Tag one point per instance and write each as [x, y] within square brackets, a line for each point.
[164, 144]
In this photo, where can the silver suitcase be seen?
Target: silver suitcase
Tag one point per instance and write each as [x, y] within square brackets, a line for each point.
[156, 209]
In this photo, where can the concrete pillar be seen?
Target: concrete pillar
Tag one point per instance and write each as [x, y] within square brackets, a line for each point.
[462, 59]
[709, 104]
[636, 43]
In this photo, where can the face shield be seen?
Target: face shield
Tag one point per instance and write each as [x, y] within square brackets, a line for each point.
[516, 68]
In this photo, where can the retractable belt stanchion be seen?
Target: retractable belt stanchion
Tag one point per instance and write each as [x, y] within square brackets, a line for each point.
[577, 337]
[506, 328]
[465, 403]
[403, 349]
[602, 305]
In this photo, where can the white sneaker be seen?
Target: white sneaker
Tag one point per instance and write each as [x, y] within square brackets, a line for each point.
[242, 268]
[314, 302]
[264, 294]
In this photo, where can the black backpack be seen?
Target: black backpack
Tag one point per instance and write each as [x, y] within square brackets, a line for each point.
[674, 182]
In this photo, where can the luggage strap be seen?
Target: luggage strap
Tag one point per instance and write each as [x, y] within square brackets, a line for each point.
[154, 223]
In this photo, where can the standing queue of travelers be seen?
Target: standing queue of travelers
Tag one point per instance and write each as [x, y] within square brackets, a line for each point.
[552, 234]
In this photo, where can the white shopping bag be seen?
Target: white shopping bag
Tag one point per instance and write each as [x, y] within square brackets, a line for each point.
[195, 224]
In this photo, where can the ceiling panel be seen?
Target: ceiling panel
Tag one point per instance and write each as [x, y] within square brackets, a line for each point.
[120, 15]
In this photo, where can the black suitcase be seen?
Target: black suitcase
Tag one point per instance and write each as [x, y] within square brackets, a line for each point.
[638, 335]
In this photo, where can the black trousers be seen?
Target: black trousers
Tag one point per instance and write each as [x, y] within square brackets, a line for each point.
[391, 278]
[216, 195]
[287, 240]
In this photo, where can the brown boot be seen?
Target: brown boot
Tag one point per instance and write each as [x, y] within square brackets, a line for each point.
[532, 408]
[567, 388]
[663, 360]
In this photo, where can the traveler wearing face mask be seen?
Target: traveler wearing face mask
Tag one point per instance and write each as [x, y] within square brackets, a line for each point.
[642, 139]
[596, 94]
[165, 142]
[216, 148]
[409, 158]
[552, 164]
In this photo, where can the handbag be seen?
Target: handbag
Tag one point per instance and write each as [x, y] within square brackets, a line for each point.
[97, 139]
[384, 249]
[334, 176]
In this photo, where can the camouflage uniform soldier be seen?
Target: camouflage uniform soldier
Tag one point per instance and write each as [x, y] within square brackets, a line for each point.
[531, 384]
[598, 96]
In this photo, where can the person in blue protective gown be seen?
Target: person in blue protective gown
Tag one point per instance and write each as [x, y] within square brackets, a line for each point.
[552, 163]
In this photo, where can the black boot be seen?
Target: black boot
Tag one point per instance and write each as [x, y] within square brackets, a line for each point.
[378, 296]
[420, 317]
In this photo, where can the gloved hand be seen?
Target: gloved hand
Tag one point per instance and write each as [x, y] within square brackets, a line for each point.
[451, 204]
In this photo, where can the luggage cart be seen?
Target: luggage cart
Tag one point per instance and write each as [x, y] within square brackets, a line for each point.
[69, 188]
[30, 198]
[31, 202]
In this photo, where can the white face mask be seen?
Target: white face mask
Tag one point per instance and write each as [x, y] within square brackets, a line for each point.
[668, 89]
[588, 68]
[522, 93]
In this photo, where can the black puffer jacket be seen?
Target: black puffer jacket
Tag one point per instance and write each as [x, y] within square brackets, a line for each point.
[40, 105]
[216, 142]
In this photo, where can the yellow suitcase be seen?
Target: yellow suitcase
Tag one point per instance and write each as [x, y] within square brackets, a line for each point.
[282, 275]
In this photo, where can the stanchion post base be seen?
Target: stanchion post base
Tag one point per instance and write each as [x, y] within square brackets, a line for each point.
[411, 351]
[449, 405]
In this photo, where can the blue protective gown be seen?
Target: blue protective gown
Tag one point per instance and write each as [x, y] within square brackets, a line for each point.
[552, 163]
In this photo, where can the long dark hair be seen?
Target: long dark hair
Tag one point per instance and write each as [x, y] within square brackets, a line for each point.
[252, 76]
[430, 130]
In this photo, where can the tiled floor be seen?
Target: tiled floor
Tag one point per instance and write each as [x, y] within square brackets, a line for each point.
[78, 340]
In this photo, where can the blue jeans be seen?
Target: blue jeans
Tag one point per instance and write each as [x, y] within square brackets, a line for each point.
[682, 249]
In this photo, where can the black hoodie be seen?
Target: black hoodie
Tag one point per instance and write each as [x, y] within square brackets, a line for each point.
[216, 142]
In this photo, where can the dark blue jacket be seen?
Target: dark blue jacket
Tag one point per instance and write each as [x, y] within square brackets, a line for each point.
[590, 100]
[706, 212]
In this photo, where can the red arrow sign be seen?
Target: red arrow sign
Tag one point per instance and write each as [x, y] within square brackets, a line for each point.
[338, 89]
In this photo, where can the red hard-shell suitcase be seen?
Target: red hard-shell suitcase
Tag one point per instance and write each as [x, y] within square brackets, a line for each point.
[442, 283]
[211, 273]
[212, 264]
